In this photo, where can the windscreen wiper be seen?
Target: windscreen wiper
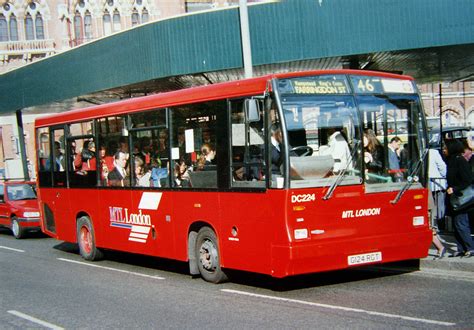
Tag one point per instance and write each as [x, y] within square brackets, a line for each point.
[340, 176]
[411, 178]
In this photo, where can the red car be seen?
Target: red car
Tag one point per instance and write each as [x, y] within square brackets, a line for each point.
[19, 209]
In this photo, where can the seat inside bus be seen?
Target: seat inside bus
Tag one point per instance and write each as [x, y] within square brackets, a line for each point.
[203, 179]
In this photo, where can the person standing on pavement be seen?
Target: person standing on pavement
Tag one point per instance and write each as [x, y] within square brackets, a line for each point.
[459, 177]
[437, 175]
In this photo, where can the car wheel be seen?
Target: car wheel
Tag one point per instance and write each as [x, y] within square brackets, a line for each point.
[17, 231]
[207, 256]
[86, 240]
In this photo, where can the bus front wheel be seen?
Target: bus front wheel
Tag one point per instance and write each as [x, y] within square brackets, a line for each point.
[207, 256]
[86, 240]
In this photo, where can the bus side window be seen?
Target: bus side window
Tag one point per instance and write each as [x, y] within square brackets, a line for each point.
[44, 174]
[82, 162]
[114, 166]
[247, 145]
[195, 150]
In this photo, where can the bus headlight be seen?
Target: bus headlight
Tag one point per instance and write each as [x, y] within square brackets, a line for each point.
[31, 214]
[418, 221]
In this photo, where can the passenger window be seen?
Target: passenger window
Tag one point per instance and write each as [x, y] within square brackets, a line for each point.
[150, 156]
[389, 148]
[114, 151]
[248, 148]
[82, 155]
[44, 173]
[194, 151]
[57, 161]
[2, 198]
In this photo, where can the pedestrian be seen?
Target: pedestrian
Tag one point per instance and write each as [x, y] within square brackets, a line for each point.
[459, 177]
[437, 176]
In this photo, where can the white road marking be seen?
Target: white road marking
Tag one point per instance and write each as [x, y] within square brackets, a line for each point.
[112, 269]
[35, 320]
[347, 309]
[11, 249]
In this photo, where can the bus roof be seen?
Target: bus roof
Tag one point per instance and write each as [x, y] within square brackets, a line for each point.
[217, 91]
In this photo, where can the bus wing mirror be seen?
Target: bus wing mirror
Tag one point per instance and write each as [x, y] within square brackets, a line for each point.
[252, 110]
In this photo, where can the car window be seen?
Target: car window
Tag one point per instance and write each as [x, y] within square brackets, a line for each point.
[2, 198]
[19, 192]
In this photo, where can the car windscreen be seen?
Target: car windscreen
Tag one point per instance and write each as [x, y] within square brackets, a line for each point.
[17, 192]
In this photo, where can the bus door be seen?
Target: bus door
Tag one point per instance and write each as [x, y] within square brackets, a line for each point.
[54, 192]
[247, 211]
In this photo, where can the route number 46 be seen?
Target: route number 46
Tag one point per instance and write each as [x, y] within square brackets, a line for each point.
[365, 85]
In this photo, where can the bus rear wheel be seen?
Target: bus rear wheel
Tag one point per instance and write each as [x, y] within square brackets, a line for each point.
[207, 256]
[86, 240]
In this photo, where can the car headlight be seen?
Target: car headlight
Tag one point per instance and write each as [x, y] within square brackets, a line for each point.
[31, 214]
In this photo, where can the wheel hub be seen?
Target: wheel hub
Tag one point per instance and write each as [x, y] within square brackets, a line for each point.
[86, 240]
[208, 255]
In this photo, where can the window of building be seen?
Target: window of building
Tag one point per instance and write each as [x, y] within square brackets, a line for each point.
[107, 23]
[3, 28]
[145, 16]
[198, 5]
[88, 25]
[78, 32]
[39, 27]
[13, 28]
[29, 27]
[135, 18]
[117, 25]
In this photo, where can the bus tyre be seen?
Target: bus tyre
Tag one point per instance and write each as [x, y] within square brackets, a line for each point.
[207, 256]
[86, 240]
[17, 231]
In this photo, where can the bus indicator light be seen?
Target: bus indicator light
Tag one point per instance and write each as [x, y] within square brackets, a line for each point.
[299, 208]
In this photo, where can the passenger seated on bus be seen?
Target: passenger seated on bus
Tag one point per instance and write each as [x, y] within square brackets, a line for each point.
[373, 155]
[338, 148]
[118, 177]
[85, 160]
[142, 174]
[181, 174]
[144, 150]
[157, 172]
[207, 157]
[59, 161]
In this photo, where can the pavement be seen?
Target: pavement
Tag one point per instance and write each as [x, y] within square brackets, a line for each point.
[446, 263]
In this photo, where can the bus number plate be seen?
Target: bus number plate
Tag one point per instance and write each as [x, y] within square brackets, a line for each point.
[365, 258]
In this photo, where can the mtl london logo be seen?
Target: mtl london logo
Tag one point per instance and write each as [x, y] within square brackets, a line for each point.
[138, 223]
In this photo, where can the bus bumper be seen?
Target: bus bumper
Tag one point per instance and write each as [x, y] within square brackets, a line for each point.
[316, 256]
